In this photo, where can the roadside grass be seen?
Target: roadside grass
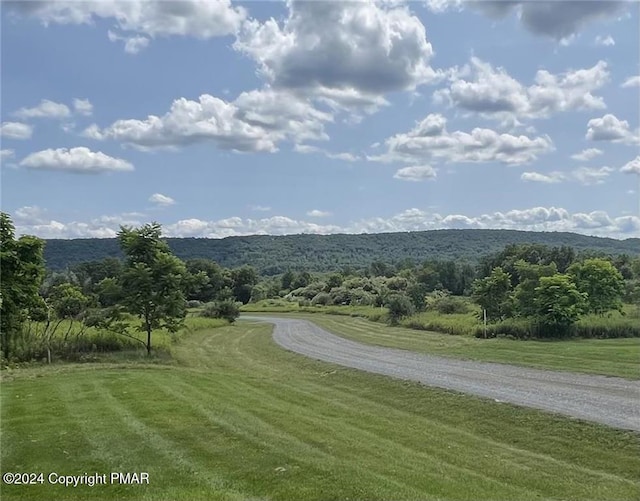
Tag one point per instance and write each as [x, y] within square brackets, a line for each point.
[73, 342]
[611, 357]
[610, 326]
[240, 418]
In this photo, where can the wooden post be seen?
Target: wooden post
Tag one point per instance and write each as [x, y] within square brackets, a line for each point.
[484, 314]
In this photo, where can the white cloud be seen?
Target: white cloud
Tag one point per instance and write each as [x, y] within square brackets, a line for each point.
[161, 200]
[416, 173]
[15, 130]
[610, 128]
[78, 160]
[607, 41]
[347, 53]
[202, 19]
[537, 177]
[533, 219]
[494, 93]
[83, 107]
[429, 139]
[318, 213]
[591, 175]
[46, 109]
[5, 154]
[586, 155]
[631, 82]
[132, 44]
[29, 215]
[560, 20]
[631, 167]
[255, 121]
[345, 156]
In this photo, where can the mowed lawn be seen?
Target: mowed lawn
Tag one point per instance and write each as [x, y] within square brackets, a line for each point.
[610, 357]
[236, 417]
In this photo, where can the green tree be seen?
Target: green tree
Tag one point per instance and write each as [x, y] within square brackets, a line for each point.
[22, 272]
[152, 280]
[558, 303]
[602, 283]
[243, 279]
[68, 301]
[493, 293]
[529, 278]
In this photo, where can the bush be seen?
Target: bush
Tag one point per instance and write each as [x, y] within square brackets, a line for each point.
[399, 307]
[322, 299]
[228, 310]
[194, 303]
[450, 305]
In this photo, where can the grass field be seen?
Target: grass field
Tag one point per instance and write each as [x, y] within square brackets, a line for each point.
[612, 357]
[236, 417]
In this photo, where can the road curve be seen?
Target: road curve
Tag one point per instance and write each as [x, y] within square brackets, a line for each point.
[608, 400]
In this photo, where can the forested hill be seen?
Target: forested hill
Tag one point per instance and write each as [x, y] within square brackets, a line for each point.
[276, 254]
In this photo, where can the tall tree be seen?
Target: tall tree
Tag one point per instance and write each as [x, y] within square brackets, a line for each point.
[529, 278]
[602, 283]
[493, 293]
[22, 271]
[152, 280]
[558, 303]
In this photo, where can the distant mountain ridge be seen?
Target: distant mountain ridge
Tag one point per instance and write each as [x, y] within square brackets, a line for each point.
[275, 254]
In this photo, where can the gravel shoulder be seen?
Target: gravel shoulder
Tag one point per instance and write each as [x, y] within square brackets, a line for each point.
[607, 400]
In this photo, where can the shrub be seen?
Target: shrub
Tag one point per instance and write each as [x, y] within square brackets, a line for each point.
[194, 303]
[399, 307]
[322, 299]
[228, 310]
[450, 305]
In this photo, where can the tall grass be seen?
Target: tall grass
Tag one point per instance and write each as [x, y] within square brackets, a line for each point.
[71, 340]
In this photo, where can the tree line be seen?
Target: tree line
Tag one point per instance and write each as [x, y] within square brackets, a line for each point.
[151, 288]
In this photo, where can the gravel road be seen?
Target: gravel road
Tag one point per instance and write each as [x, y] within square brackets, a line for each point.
[607, 400]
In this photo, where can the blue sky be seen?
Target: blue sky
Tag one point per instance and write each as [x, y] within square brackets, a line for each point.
[217, 118]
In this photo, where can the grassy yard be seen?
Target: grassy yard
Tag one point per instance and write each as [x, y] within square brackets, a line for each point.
[236, 417]
[612, 357]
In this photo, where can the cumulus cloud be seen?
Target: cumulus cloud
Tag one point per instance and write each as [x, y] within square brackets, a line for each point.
[77, 160]
[256, 121]
[537, 177]
[532, 219]
[610, 128]
[15, 130]
[631, 82]
[416, 173]
[161, 200]
[607, 41]
[46, 109]
[34, 221]
[83, 107]
[492, 92]
[586, 155]
[631, 167]
[557, 19]
[318, 213]
[429, 139]
[348, 53]
[142, 19]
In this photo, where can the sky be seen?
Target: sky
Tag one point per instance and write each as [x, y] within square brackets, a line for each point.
[216, 118]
